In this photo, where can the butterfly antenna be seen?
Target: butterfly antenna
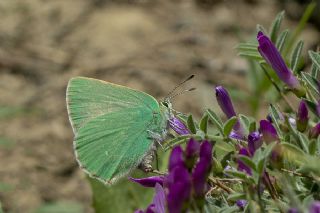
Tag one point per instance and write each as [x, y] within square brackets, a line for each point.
[169, 96]
[180, 93]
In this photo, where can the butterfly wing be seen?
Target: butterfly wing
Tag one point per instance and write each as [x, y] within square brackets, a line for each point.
[88, 98]
[110, 123]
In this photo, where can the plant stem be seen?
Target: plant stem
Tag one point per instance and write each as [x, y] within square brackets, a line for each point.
[277, 88]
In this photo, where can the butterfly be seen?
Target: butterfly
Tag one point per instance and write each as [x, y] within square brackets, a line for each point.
[114, 126]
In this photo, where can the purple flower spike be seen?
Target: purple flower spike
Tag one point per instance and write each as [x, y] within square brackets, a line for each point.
[202, 169]
[272, 56]
[192, 149]
[176, 158]
[241, 203]
[269, 133]
[254, 142]
[159, 199]
[315, 131]
[315, 207]
[226, 106]
[224, 101]
[178, 126]
[149, 181]
[302, 117]
[179, 185]
[241, 166]
[206, 151]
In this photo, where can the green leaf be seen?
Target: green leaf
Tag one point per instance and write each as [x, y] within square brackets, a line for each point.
[259, 27]
[246, 160]
[251, 55]
[275, 26]
[191, 125]
[304, 142]
[260, 166]
[313, 146]
[295, 57]
[310, 81]
[314, 70]
[237, 174]
[236, 196]
[176, 141]
[227, 127]
[215, 119]
[204, 123]
[276, 116]
[281, 40]
[293, 153]
[315, 57]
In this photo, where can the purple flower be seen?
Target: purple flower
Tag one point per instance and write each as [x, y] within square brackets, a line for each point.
[254, 142]
[315, 207]
[315, 131]
[179, 189]
[178, 126]
[302, 117]
[158, 203]
[202, 169]
[269, 133]
[241, 203]
[192, 149]
[226, 106]
[176, 158]
[272, 56]
[149, 181]
[242, 166]
[192, 153]
[224, 101]
[159, 200]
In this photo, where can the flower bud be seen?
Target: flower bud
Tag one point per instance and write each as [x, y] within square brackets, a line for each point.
[302, 117]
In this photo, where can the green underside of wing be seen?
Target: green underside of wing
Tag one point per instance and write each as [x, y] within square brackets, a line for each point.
[111, 145]
[110, 123]
[88, 98]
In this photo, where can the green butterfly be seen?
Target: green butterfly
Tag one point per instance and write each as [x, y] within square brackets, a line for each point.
[114, 126]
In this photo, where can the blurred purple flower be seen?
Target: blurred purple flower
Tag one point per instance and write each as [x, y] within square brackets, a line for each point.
[158, 203]
[224, 101]
[159, 200]
[269, 133]
[272, 56]
[242, 166]
[254, 142]
[226, 106]
[192, 149]
[302, 117]
[315, 207]
[178, 126]
[192, 153]
[176, 158]
[179, 189]
[202, 169]
[149, 181]
[315, 131]
[241, 203]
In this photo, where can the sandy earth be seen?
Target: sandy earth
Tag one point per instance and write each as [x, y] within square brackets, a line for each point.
[148, 45]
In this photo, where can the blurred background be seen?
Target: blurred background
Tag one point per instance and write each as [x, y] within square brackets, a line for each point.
[150, 45]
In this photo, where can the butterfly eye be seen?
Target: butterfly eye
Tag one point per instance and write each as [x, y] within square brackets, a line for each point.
[165, 104]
